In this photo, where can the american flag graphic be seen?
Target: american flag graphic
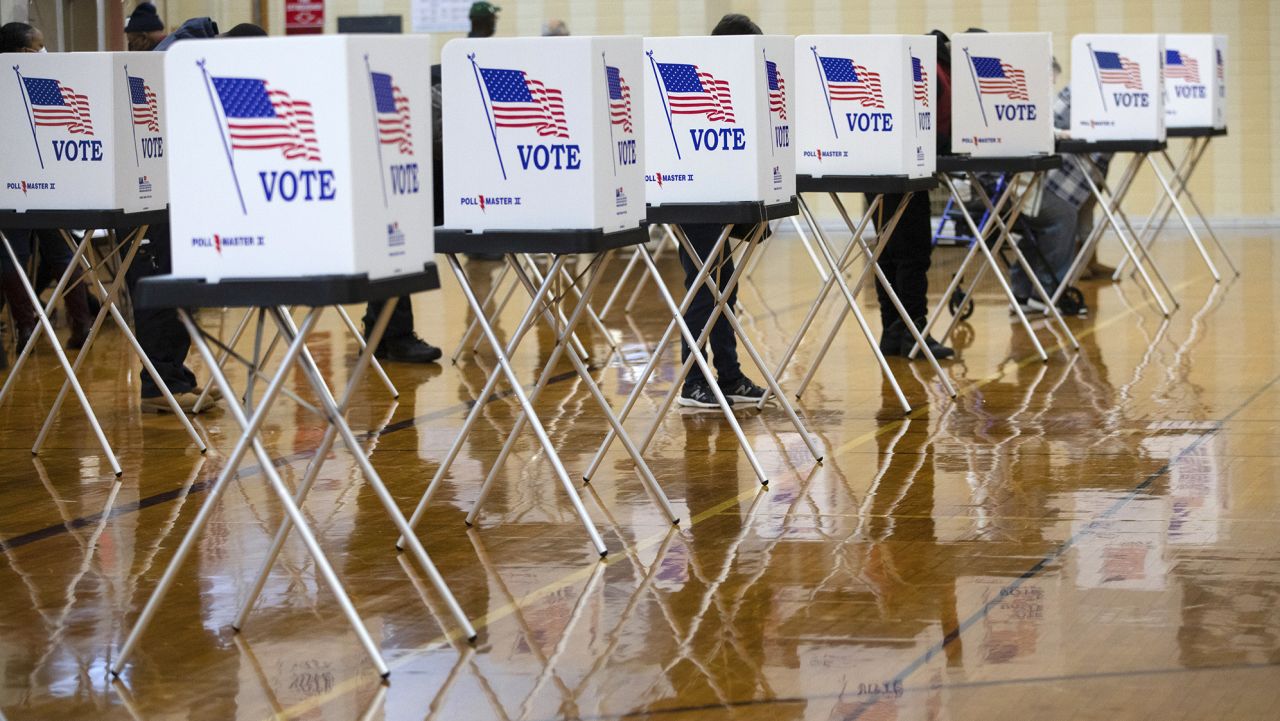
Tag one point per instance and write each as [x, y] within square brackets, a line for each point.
[1115, 69]
[619, 100]
[1177, 65]
[777, 89]
[691, 91]
[522, 102]
[56, 105]
[145, 107]
[920, 82]
[996, 77]
[391, 107]
[260, 117]
[846, 80]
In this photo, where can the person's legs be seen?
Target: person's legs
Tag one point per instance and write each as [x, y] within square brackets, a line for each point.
[55, 255]
[1051, 249]
[703, 239]
[399, 342]
[905, 262]
[160, 333]
[20, 306]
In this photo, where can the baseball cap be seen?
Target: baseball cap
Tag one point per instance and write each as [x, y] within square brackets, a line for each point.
[483, 9]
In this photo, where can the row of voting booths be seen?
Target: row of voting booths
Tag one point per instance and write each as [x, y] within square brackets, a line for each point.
[297, 174]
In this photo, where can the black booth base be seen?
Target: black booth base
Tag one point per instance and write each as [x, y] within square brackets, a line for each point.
[1201, 132]
[1012, 164]
[558, 242]
[1078, 146]
[873, 184]
[165, 291]
[752, 211]
[80, 219]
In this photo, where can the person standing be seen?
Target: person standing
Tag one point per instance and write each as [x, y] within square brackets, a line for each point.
[145, 29]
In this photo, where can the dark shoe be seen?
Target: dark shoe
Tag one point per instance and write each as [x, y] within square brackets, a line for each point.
[409, 349]
[699, 395]
[742, 390]
[940, 352]
[79, 316]
[891, 338]
[186, 401]
[1098, 271]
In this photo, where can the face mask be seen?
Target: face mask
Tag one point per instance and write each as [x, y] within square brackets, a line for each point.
[43, 50]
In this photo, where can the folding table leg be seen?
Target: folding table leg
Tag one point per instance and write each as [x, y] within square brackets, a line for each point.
[1184, 190]
[108, 307]
[526, 322]
[658, 350]
[488, 299]
[722, 299]
[873, 258]
[980, 241]
[337, 419]
[523, 399]
[1186, 222]
[360, 341]
[1108, 210]
[667, 235]
[550, 280]
[222, 358]
[594, 317]
[42, 320]
[632, 264]
[563, 334]
[1006, 238]
[250, 427]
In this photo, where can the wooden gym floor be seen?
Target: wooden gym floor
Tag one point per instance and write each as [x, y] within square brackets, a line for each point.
[1097, 537]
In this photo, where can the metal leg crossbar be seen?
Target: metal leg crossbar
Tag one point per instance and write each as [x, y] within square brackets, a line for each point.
[997, 223]
[84, 255]
[295, 353]
[1130, 241]
[833, 276]
[706, 267]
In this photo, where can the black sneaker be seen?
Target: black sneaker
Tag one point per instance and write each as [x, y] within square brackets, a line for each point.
[409, 349]
[940, 352]
[742, 391]
[699, 395]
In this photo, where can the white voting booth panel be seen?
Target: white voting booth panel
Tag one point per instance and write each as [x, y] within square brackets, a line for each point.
[543, 133]
[296, 157]
[1195, 81]
[865, 105]
[718, 119]
[1002, 94]
[83, 131]
[1116, 87]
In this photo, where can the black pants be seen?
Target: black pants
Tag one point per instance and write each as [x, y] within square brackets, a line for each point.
[724, 344]
[906, 257]
[399, 326]
[160, 333]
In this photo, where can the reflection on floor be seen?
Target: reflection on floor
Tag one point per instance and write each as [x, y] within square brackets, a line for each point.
[1095, 537]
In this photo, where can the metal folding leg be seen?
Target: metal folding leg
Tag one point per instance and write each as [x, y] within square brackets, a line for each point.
[488, 299]
[678, 325]
[667, 235]
[522, 398]
[108, 296]
[250, 427]
[1183, 173]
[1111, 210]
[979, 245]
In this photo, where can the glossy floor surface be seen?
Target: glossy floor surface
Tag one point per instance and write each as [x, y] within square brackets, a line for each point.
[1097, 537]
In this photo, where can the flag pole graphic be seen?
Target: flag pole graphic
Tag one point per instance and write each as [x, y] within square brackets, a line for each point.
[128, 88]
[915, 126]
[489, 119]
[768, 101]
[826, 94]
[217, 119]
[973, 73]
[657, 78]
[22, 88]
[1097, 73]
[377, 138]
[608, 111]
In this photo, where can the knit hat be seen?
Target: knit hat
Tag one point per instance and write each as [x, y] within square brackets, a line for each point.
[483, 10]
[144, 19]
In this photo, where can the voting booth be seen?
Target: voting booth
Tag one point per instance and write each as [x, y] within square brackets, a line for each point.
[1116, 87]
[1195, 81]
[718, 119]
[544, 133]
[1001, 94]
[83, 131]
[296, 157]
[865, 105]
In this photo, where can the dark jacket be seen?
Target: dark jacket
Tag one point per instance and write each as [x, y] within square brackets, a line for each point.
[193, 29]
